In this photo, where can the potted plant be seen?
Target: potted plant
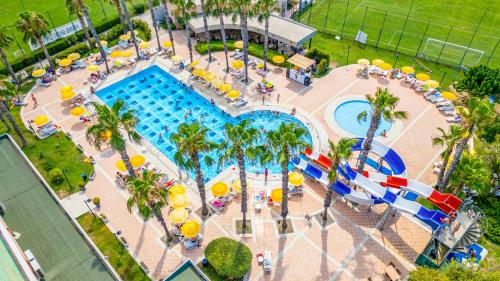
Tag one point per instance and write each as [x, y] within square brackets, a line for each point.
[96, 201]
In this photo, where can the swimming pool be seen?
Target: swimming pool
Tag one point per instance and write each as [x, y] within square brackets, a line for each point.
[8, 266]
[346, 115]
[163, 103]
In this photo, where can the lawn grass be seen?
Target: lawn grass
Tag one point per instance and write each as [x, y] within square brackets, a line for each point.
[327, 16]
[106, 241]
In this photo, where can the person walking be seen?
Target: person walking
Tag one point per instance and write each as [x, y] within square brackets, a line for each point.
[266, 173]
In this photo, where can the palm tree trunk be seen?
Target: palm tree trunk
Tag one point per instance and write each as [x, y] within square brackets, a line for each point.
[456, 158]
[130, 28]
[224, 40]
[190, 44]
[2, 118]
[5, 110]
[266, 39]
[94, 34]
[84, 28]
[150, 3]
[244, 35]
[169, 28]
[329, 193]
[243, 180]
[8, 65]
[207, 34]
[160, 218]
[45, 51]
[367, 144]
[126, 160]
[446, 158]
[120, 13]
[284, 187]
[200, 182]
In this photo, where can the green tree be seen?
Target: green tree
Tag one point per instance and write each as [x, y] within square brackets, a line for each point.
[114, 121]
[149, 198]
[243, 9]
[74, 8]
[265, 8]
[153, 19]
[219, 8]
[34, 26]
[481, 81]
[478, 113]
[5, 42]
[448, 140]
[472, 172]
[283, 143]
[239, 146]
[8, 90]
[119, 9]
[183, 11]
[191, 140]
[168, 22]
[383, 105]
[336, 153]
[130, 27]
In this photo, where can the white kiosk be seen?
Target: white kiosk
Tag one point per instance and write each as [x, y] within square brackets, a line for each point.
[301, 70]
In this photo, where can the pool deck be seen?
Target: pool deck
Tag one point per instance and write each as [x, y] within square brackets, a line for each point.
[352, 248]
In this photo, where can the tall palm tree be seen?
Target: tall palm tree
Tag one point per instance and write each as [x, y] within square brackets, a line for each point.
[383, 105]
[8, 90]
[5, 42]
[243, 9]
[155, 26]
[74, 8]
[149, 198]
[183, 11]
[94, 34]
[264, 10]
[471, 172]
[114, 121]
[205, 9]
[2, 119]
[240, 145]
[119, 9]
[168, 22]
[130, 27]
[34, 26]
[219, 8]
[283, 144]
[477, 113]
[448, 140]
[191, 140]
[336, 153]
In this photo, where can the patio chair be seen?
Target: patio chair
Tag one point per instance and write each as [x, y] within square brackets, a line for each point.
[268, 261]
[392, 272]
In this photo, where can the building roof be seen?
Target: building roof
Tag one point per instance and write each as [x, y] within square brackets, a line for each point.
[301, 61]
[280, 28]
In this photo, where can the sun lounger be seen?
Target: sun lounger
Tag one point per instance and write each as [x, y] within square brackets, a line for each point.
[454, 119]
[268, 261]
[241, 103]
[79, 64]
[44, 84]
[444, 103]
[437, 99]
[257, 202]
[123, 44]
[450, 113]
[447, 108]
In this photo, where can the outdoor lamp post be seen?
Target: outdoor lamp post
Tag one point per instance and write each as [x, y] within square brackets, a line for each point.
[66, 170]
[348, 51]
[396, 61]
[443, 75]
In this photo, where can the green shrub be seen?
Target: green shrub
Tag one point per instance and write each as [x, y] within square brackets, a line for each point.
[143, 27]
[229, 257]
[96, 201]
[254, 49]
[139, 8]
[322, 67]
[318, 55]
[48, 164]
[56, 176]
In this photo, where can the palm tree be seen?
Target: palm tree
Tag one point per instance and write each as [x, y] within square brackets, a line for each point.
[219, 8]
[239, 145]
[74, 8]
[478, 113]
[264, 9]
[336, 153]
[168, 22]
[114, 121]
[9, 90]
[448, 140]
[155, 26]
[243, 9]
[2, 119]
[472, 172]
[383, 105]
[191, 141]
[119, 9]
[149, 198]
[34, 26]
[5, 42]
[283, 144]
[205, 9]
[94, 34]
[130, 27]
[183, 10]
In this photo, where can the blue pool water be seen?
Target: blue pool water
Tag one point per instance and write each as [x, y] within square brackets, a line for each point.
[346, 115]
[161, 100]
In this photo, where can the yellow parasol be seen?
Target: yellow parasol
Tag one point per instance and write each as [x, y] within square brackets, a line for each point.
[198, 72]
[136, 161]
[209, 76]
[220, 189]
[278, 59]
[92, 68]
[106, 135]
[74, 56]
[143, 45]
[238, 44]
[233, 94]
[176, 58]
[115, 54]
[67, 95]
[408, 69]
[225, 87]
[423, 76]
[177, 189]
[260, 66]
[104, 43]
[66, 88]
[295, 178]
[178, 216]
[190, 229]
[65, 62]
[385, 66]
[179, 201]
[449, 95]
[237, 64]
[433, 83]
[363, 62]
[41, 120]
[237, 185]
[38, 72]
[135, 32]
[124, 37]
[78, 111]
[167, 44]
[194, 63]
[277, 195]
[127, 53]
[377, 62]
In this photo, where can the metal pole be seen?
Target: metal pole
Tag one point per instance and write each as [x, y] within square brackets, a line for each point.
[345, 16]
[493, 52]
[380, 33]
[442, 48]
[404, 26]
[364, 19]
[65, 170]
[90, 209]
[310, 11]
[348, 51]
[326, 18]
[396, 61]
[472, 39]
[442, 78]
[422, 40]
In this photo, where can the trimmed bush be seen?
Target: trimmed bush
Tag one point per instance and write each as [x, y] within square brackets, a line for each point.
[322, 67]
[254, 49]
[229, 258]
[56, 176]
[143, 27]
[318, 55]
[96, 201]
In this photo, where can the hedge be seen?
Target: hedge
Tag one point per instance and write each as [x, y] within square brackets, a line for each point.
[229, 257]
[254, 49]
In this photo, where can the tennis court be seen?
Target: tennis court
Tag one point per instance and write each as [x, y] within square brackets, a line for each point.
[45, 229]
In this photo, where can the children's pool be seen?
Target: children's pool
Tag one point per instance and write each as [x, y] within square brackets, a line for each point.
[163, 103]
[346, 115]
